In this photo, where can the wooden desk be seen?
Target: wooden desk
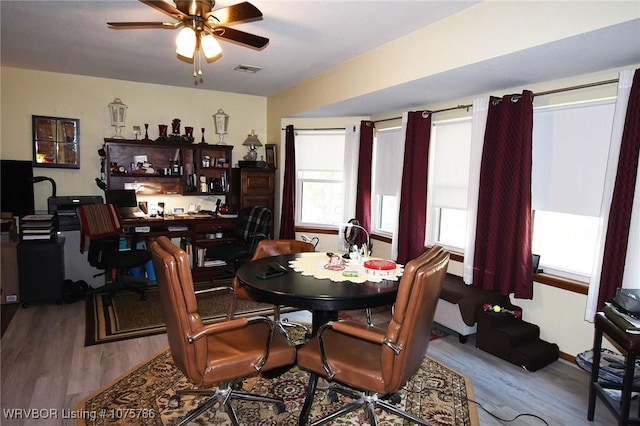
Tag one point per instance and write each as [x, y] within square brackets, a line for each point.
[323, 297]
[193, 232]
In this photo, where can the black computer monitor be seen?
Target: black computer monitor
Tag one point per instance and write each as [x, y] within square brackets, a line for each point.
[121, 197]
[17, 187]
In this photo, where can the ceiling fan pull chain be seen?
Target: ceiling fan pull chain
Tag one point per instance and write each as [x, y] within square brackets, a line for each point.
[194, 67]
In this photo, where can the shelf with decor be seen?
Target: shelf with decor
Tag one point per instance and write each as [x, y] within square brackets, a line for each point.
[212, 168]
[152, 167]
[207, 234]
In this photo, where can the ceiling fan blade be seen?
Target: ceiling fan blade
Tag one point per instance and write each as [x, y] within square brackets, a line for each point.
[244, 11]
[165, 7]
[143, 25]
[241, 37]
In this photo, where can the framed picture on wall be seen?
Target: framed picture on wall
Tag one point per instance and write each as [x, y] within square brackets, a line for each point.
[270, 150]
[56, 142]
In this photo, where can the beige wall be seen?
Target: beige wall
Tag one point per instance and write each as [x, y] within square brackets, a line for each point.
[25, 93]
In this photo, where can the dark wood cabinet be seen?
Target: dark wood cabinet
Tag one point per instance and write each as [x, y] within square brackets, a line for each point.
[253, 187]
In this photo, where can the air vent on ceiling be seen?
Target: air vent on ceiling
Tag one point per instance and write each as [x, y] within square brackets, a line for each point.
[247, 68]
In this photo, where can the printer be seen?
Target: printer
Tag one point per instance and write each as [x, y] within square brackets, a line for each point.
[65, 209]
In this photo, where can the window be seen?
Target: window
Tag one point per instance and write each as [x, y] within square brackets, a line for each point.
[388, 156]
[319, 177]
[570, 150]
[565, 242]
[448, 182]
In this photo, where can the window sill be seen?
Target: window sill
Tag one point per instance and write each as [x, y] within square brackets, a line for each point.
[546, 279]
[562, 283]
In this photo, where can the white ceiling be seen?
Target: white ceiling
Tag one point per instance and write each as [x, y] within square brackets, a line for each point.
[306, 38]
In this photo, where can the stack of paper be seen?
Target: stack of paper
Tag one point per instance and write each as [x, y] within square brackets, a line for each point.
[37, 227]
[210, 263]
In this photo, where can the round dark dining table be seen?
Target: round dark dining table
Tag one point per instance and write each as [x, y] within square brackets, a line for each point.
[323, 297]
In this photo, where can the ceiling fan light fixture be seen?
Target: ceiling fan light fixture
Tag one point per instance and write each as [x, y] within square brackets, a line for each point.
[210, 46]
[186, 42]
[198, 24]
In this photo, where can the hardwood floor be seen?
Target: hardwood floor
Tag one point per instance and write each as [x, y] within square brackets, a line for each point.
[45, 365]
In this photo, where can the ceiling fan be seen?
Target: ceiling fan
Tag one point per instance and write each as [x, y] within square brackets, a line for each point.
[201, 25]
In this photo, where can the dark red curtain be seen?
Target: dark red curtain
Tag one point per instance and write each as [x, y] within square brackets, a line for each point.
[363, 192]
[503, 236]
[412, 218]
[288, 215]
[615, 246]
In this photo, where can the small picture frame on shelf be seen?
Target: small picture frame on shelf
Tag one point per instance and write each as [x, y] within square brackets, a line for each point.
[271, 155]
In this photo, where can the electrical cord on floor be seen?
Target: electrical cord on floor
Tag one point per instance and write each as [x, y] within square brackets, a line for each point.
[487, 411]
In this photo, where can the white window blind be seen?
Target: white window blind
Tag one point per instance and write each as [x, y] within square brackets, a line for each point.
[451, 153]
[319, 177]
[570, 148]
[388, 158]
[320, 150]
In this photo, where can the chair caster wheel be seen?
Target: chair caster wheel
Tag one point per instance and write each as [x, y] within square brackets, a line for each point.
[333, 396]
[280, 408]
[394, 398]
[174, 402]
[236, 384]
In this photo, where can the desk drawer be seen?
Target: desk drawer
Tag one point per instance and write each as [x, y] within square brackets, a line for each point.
[214, 226]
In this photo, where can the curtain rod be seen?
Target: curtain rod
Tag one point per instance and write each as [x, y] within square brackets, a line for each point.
[547, 92]
[581, 86]
[317, 128]
[432, 112]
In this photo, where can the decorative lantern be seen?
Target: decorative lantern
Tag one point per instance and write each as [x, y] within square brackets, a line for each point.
[118, 114]
[221, 121]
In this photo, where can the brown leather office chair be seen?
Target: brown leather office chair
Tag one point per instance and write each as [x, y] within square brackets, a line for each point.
[267, 248]
[372, 362]
[213, 356]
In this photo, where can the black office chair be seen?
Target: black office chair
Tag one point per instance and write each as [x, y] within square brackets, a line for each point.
[252, 226]
[100, 223]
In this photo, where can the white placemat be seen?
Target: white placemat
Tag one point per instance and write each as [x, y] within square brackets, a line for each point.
[315, 266]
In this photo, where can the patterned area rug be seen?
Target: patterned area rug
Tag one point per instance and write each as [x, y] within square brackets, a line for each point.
[129, 317]
[436, 393]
